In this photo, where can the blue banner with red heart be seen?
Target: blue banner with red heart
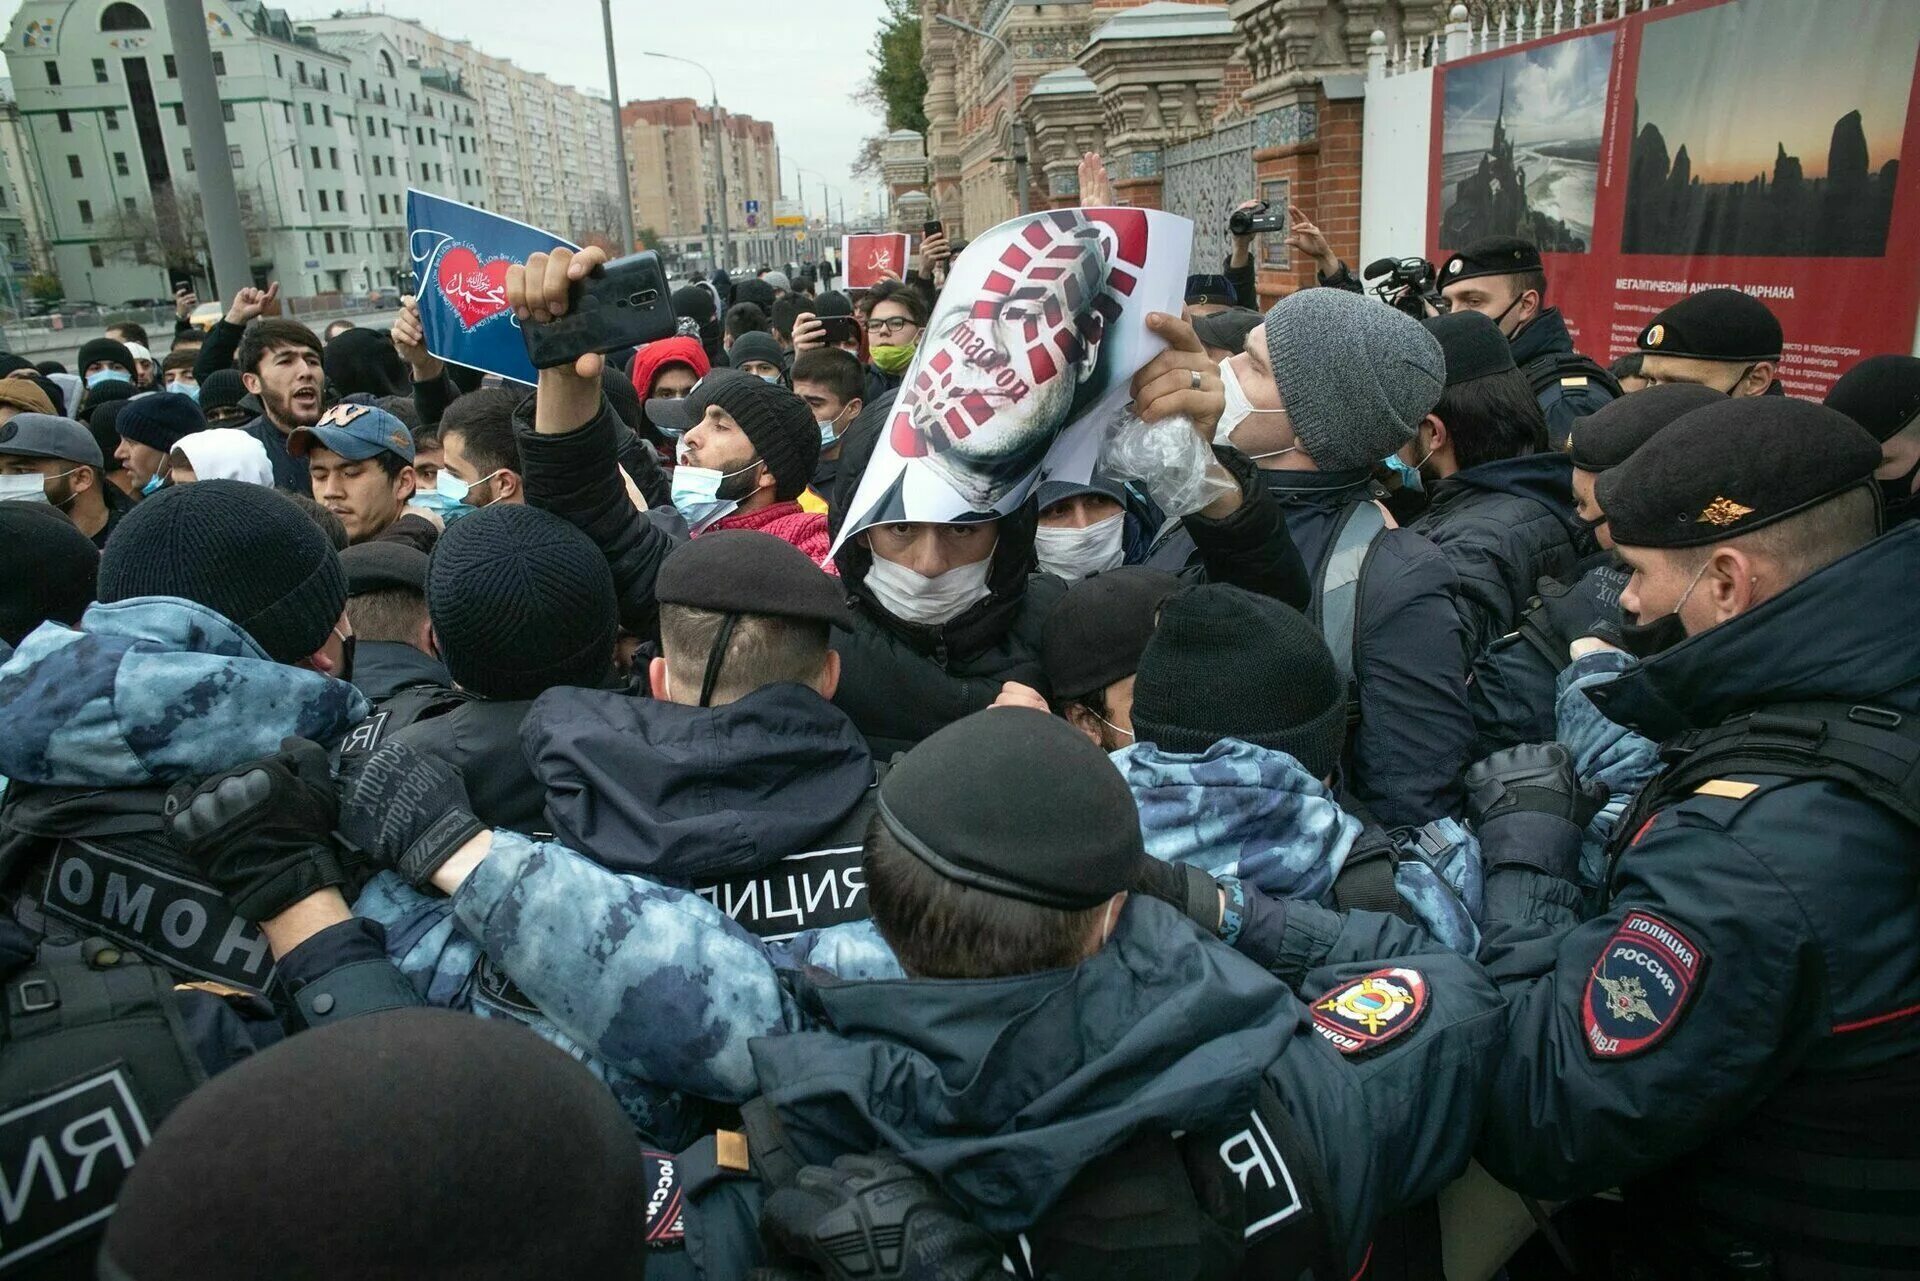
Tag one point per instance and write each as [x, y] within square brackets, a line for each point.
[460, 259]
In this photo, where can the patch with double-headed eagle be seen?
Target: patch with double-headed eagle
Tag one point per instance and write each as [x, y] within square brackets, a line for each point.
[1722, 511]
[1365, 1013]
[1641, 985]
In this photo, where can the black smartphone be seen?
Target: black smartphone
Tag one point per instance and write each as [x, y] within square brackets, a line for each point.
[840, 329]
[932, 228]
[624, 303]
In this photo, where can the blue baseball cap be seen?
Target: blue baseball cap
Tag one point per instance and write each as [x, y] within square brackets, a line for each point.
[354, 432]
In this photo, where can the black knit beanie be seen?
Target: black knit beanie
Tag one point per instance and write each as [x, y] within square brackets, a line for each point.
[621, 396]
[223, 389]
[50, 569]
[158, 420]
[778, 423]
[242, 551]
[521, 601]
[95, 350]
[1225, 663]
[419, 1144]
[103, 424]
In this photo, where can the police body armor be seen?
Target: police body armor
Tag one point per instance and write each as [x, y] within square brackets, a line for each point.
[96, 863]
[1823, 1179]
[92, 1058]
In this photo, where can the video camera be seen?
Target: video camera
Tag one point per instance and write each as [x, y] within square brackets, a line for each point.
[1259, 218]
[1409, 286]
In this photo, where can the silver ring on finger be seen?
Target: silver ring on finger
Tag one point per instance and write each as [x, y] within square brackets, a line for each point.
[1194, 374]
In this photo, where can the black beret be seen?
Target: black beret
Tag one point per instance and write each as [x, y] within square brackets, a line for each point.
[1218, 290]
[1609, 435]
[1732, 467]
[1098, 631]
[1881, 393]
[1227, 329]
[1491, 256]
[419, 1143]
[1017, 803]
[1473, 345]
[1714, 324]
[376, 566]
[742, 571]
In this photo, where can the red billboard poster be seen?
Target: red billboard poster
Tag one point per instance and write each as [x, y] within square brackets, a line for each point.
[1767, 145]
[868, 260]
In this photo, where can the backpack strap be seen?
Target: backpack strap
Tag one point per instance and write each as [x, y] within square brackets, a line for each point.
[1568, 369]
[1366, 880]
[1336, 603]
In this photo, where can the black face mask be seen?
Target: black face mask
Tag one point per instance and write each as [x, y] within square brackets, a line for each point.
[1591, 526]
[1898, 499]
[1644, 640]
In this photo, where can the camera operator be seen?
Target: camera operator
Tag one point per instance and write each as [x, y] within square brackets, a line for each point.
[1247, 221]
[1502, 278]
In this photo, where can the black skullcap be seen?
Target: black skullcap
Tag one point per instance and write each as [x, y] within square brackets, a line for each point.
[159, 419]
[9, 363]
[621, 396]
[1714, 324]
[1225, 663]
[1097, 632]
[241, 550]
[521, 601]
[1211, 289]
[741, 571]
[1881, 393]
[95, 350]
[1491, 256]
[1473, 344]
[1732, 467]
[420, 1144]
[694, 302]
[778, 423]
[1227, 329]
[50, 569]
[756, 346]
[380, 565]
[1608, 436]
[1017, 803]
[223, 389]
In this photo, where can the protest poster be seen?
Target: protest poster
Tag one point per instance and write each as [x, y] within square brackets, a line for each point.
[460, 259]
[1766, 145]
[1024, 366]
[867, 259]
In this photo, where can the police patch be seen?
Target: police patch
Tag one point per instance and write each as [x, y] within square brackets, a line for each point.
[1639, 987]
[1365, 1014]
[666, 1203]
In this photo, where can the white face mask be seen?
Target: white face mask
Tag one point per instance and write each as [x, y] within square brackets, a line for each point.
[1238, 409]
[30, 488]
[914, 598]
[1073, 554]
[696, 494]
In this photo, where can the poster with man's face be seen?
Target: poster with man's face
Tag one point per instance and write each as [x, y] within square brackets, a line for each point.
[1040, 327]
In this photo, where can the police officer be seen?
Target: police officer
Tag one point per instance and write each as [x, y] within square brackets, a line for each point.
[393, 638]
[1719, 338]
[1512, 692]
[1882, 394]
[1502, 277]
[1725, 1037]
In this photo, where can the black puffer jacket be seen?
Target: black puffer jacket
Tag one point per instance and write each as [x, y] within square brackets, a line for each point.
[1514, 684]
[1504, 526]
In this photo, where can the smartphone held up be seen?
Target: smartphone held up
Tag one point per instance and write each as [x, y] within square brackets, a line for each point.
[623, 303]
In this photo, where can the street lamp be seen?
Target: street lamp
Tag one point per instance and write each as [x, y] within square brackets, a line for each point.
[1016, 129]
[722, 256]
[619, 134]
[826, 205]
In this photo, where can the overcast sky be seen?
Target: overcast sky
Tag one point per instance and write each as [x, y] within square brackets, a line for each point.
[796, 64]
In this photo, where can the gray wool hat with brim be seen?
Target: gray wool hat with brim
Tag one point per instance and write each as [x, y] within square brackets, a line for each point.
[1356, 376]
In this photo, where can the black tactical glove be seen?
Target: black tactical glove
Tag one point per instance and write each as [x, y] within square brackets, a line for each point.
[408, 811]
[877, 1219]
[262, 831]
[1188, 888]
[1529, 809]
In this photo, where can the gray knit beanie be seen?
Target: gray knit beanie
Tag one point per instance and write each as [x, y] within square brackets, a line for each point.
[1356, 376]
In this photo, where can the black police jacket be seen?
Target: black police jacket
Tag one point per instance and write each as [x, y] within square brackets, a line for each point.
[1562, 401]
[481, 739]
[1404, 760]
[1010, 1093]
[382, 669]
[1503, 526]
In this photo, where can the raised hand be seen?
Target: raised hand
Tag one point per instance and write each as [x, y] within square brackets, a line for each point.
[249, 303]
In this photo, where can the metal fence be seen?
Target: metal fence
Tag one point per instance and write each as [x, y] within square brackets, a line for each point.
[32, 335]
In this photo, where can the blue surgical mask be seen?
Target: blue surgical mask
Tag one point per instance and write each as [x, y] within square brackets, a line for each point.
[158, 479]
[696, 494]
[771, 378]
[190, 390]
[447, 509]
[99, 376]
[830, 430]
[1409, 474]
[451, 487]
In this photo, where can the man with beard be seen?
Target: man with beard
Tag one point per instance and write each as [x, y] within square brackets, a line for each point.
[57, 461]
[279, 362]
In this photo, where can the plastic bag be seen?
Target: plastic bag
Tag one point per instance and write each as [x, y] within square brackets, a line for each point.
[1169, 459]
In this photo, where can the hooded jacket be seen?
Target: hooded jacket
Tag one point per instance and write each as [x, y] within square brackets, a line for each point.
[1256, 814]
[654, 357]
[688, 794]
[1504, 526]
[364, 361]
